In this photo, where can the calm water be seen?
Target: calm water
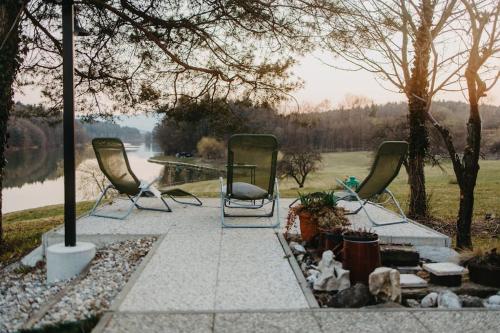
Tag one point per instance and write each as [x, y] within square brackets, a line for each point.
[34, 177]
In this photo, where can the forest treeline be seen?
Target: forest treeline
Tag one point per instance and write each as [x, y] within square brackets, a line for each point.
[342, 129]
[28, 129]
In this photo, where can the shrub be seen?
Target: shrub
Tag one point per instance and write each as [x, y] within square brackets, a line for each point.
[210, 148]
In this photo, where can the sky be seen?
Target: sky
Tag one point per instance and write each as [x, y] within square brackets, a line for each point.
[321, 82]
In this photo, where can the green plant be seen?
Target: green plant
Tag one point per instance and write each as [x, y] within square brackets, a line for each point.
[322, 206]
[360, 234]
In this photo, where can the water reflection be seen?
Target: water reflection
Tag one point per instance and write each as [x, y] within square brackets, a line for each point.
[177, 173]
[34, 177]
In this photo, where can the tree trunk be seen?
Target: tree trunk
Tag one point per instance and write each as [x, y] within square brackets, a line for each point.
[469, 178]
[418, 145]
[9, 65]
[417, 101]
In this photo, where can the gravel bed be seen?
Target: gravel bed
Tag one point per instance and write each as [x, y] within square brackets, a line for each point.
[24, 292]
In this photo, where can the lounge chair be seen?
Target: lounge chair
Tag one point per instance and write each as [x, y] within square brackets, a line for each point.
[113, 162]
[251, 178]
[390, 156]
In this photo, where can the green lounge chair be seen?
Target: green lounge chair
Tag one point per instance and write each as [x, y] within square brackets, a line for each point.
[113, 162]
[390, 156]
[251, 178]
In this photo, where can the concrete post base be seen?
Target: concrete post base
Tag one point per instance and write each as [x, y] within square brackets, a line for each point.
[65, 262]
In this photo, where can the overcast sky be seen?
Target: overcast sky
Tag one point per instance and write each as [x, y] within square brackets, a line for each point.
[321, 82]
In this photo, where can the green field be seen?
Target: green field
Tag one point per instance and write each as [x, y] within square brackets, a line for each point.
[441, 185]
[23, 229]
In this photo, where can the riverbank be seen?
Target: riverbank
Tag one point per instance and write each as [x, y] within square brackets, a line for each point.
[23, 229]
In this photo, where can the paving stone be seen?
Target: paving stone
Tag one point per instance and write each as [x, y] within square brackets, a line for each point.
[269, 322]
[460, 321]
[372, 321]
[438, 253]
[411, 281]
[444, 269]
[159, 323]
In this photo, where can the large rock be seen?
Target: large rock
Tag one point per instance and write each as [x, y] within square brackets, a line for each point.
[448, 300]
[430, 300]
[385, 285]
[353, 297]
[332, 276]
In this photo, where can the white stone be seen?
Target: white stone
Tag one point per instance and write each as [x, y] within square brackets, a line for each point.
[429, 301]
[493, 302]
[65, 262]
[297, 248]
[412, 281]
[384, 284]
[448, 300]
[332, 276]
[444, 269]
[33, 257]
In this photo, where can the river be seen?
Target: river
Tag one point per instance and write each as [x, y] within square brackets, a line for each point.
[34, 177]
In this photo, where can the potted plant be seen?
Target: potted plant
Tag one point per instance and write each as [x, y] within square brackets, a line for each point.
[485, 268]
[361, 254]
[332, 223]
[317, 212]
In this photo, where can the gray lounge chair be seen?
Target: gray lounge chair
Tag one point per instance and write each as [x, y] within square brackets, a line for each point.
[390, 156]
[113, 162]
[251, 178]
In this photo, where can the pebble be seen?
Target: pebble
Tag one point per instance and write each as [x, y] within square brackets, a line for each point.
[24, 293]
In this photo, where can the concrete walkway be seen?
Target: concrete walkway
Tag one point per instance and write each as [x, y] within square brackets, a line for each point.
[202, 278]
[324, 320]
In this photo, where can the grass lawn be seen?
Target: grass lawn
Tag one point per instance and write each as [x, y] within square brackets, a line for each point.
[441, 186]
[23, 230]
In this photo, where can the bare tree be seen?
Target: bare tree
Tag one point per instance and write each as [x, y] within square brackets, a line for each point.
[481, 35]
[299, 163]
[398, 40]
[142, 54]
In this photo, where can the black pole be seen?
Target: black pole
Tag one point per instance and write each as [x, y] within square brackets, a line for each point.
[68, 124]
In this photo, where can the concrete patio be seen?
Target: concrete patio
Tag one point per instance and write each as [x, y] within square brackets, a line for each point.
[203, 278]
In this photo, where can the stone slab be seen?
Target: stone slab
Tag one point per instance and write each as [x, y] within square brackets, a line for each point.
[460, 321]
[411, 281]
[438, 253]
[269, 322]
[444, 269]
[373, 321]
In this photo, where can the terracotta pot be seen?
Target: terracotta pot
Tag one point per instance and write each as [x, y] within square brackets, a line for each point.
[360, 258]
[308, 228]
[484, 274]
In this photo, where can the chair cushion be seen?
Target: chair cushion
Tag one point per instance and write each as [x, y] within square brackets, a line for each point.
[246, 191]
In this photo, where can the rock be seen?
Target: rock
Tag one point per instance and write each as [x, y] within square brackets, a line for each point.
[471, 301]
[312, 276]
[297, 248]
[300, 257]
[429, 301]
[385, 305]
[412, 303]
[385, 284]
[438, 253]
[32, 258]
[332, 276]
[353, 297]
[392, 255]
[493, 302]
[448, 300]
